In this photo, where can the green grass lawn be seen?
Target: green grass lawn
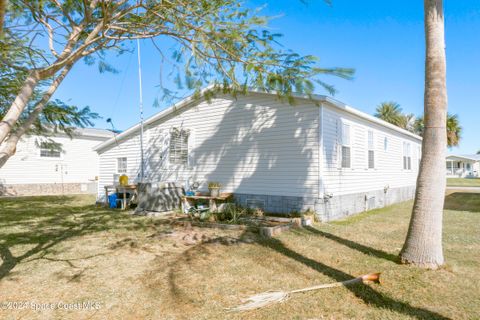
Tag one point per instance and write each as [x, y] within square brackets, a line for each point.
[62, 249]
[463, 182]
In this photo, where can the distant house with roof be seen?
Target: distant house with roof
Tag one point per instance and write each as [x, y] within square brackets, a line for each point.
[40, 167]
[463, 166]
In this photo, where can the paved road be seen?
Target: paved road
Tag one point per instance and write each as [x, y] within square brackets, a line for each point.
[469, 189]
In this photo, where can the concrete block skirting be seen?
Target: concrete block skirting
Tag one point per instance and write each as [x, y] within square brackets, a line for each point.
[275, 204]
[342, 206]
[42, 189]
[327, 209]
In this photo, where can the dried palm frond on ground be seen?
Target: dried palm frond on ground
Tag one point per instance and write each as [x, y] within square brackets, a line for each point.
[270, 297]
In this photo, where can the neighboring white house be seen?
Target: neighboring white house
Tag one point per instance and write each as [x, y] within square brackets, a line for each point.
[320, 155]
[463, 166]
[37, 169]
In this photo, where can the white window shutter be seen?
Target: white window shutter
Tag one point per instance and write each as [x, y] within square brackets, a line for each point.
[339, 131]
[346, 134]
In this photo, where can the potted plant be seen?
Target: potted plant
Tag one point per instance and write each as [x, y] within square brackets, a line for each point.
[214, 188]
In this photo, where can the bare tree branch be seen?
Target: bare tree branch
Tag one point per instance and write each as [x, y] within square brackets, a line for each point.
[50, 37]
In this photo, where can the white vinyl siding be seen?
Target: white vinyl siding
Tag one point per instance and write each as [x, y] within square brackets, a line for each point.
[78, 162]
[254, 144]
[388, 164]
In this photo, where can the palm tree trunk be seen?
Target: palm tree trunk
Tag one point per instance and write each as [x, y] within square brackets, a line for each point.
[423, 245]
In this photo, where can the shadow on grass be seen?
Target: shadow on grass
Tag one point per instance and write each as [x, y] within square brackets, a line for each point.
[354, 245]
[463, 201]
[366, 293]
[198, 250]
[41, 223]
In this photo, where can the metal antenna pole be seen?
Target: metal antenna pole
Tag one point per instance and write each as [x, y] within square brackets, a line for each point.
[142, 169]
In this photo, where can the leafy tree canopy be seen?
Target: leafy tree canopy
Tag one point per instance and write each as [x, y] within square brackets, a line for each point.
[454, 129]
[221, 42]
[56, 116]
[391, 112]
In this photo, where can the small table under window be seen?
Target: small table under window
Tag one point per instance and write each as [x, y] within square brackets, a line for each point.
[132, 188]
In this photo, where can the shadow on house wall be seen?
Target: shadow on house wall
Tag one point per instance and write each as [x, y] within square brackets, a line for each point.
[253, 150]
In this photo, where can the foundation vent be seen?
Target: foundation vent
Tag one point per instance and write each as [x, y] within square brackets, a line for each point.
[371, 203]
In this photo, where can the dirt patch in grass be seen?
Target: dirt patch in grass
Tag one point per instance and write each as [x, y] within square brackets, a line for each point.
[65, 250]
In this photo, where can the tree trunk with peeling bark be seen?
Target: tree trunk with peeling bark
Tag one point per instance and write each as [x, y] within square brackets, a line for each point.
[18, 105]
[423, 245]
[8, 146]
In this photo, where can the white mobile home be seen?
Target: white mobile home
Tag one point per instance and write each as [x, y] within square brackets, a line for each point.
[320, 155]
[38, 169]
[463, 166]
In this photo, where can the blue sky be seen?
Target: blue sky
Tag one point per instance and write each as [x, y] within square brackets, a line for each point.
[382, 40]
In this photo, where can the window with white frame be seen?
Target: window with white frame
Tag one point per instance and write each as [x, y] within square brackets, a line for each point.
[178, 150]
[122, 165]
[385, 144]
[371, 150]
[407, 156]
[48, 150]
[346, 150]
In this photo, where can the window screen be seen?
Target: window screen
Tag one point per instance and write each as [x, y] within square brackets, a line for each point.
[178, 152]
[122, 165]
[346, 148]
[371, 150]
[407, 157]
[47, 151]
[346, 159]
